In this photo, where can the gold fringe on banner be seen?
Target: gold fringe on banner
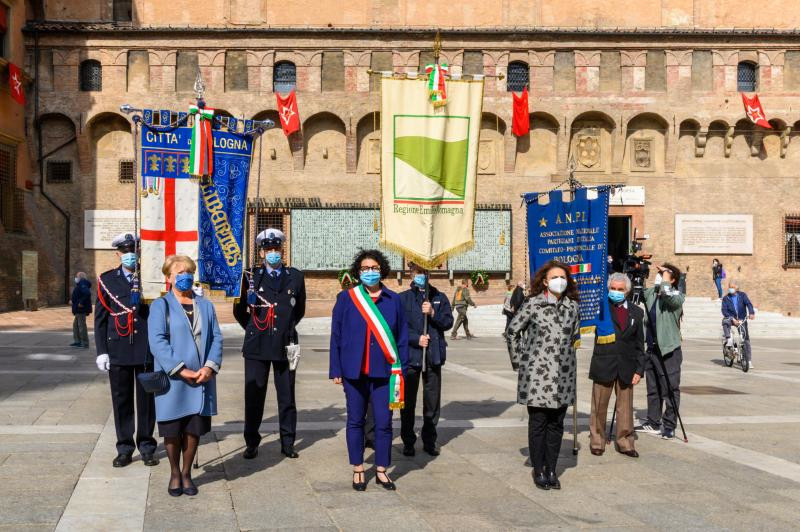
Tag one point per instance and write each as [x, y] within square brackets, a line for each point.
[428, 264]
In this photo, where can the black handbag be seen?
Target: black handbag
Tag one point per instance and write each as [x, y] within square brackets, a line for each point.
[156, 382]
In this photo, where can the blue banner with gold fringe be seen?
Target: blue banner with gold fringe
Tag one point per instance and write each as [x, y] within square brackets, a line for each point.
[575, 233]
[222, 196]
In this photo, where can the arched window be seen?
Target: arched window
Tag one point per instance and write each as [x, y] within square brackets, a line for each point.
[91, 75]
[517, 76]
[284, 77]
[746, 77]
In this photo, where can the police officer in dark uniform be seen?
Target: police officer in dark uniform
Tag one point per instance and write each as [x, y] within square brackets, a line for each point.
[272, 304]
[120, 333]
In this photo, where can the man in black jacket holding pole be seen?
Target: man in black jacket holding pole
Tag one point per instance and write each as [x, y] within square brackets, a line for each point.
[429, 317]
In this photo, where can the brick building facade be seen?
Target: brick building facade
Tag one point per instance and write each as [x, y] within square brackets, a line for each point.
[656, 87]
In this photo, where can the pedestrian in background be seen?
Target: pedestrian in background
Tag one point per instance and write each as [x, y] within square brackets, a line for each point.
[513, 302]
[718, 274]
[186, 342]
[542, 341]
[461, 301]
[81, 300]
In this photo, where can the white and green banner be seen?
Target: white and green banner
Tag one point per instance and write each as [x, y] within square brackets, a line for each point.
[428, 168]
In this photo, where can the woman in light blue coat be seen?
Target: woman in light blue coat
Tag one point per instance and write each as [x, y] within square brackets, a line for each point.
[190, 352]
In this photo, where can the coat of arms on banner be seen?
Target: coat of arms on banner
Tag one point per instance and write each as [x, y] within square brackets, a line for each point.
[588, 148]
[429, 158]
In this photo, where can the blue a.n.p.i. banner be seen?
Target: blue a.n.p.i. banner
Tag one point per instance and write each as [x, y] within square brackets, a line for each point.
[222, 196]
[575, 233]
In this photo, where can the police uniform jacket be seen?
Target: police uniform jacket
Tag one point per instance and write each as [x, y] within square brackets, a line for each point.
[288, 291]
[441, 322]
[120, 350]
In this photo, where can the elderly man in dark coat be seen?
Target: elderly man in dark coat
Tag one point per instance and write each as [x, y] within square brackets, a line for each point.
[617, 366]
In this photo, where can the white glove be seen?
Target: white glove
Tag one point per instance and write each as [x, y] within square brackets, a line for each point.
[293, 354]
[102, 362]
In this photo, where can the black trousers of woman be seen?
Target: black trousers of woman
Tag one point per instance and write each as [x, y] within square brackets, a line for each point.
[545, 432]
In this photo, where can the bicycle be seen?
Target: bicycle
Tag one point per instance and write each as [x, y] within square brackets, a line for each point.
[735, 351]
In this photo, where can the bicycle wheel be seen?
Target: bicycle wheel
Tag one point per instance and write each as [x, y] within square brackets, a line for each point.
[727, 356]
[745, 364]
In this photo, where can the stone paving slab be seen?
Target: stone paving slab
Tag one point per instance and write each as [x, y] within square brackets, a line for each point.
[737, 472]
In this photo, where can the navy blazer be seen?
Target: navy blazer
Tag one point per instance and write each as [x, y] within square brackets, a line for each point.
[349, 335]
[81, 298]
[441, 322]
[745, 307]
[119, 349]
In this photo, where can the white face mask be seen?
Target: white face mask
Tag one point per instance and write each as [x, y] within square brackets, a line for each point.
[658, 280]
[557, 285]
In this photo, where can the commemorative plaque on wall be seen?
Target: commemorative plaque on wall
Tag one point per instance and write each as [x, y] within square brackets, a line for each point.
[706, 234]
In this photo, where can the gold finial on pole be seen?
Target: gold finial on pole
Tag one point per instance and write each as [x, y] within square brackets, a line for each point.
[437, 47]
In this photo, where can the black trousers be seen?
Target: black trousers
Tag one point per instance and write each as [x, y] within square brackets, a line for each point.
[256, 378]
[126, 391]
[431, 405]
[545, 432]
[657, 393]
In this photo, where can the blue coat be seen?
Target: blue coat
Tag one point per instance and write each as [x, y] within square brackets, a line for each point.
[349, 334]
[81, 298]
[441, 322]
[184, 399]
[744, 306]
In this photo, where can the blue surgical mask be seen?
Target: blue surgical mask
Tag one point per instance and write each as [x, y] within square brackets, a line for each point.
[420, 280]
[616, 296]
[370, 278]
[184, 281]
[129, 260]
[731, 291]
[273, 258]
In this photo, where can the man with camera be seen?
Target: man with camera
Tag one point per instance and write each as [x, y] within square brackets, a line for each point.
[663, 311]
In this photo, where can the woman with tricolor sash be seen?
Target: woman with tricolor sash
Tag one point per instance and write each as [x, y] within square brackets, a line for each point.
[369, 356]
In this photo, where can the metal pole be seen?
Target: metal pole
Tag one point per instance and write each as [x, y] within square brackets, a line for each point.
[575, 427]
[611, 428]
[425, 322]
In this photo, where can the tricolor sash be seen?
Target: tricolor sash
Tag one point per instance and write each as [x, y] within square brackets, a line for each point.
[380, 329]
[201, 157]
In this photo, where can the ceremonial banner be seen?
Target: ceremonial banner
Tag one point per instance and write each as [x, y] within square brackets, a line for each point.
[175, 207]
[428, 167]
[575, 233]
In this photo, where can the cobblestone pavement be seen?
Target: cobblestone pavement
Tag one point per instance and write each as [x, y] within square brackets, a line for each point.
[740, 469]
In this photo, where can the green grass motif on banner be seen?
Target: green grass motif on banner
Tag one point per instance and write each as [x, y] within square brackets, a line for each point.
[443, 162]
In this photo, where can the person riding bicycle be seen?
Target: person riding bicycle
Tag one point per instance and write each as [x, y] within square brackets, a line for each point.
[736, 308]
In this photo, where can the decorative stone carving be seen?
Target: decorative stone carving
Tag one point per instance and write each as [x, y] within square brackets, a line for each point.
[700, 139]
[728, 141]
[785, 140]
[642, 154]
[373, 156]
[487, 157]
[587, 147]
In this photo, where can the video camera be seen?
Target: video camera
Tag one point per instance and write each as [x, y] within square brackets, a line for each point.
[637, 267]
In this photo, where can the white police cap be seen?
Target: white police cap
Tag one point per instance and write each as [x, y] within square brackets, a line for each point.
[270, 238]
[124, 240]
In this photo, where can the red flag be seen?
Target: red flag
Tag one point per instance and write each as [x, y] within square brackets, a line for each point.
[288, 113]
[754, 110]
[15, 83]
[520, 122]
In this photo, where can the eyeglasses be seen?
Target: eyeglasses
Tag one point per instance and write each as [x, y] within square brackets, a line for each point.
[366, 269]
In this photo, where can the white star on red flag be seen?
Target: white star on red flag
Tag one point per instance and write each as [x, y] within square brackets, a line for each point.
[286, 114]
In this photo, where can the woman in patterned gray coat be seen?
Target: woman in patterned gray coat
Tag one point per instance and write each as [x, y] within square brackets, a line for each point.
[542, 340]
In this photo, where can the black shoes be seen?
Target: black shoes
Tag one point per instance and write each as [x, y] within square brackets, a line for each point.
[632, 453]
[250, 453]
[359, 481]
[552, 481]
[541, 481]
[122, 460]
[149, 460]
[388, 484]
[191, 489]
[175, 492]
[431, 450]
[408, 450]
[289, 452]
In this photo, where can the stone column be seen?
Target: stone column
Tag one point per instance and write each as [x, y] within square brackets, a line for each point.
[541, 72]
[633, 63]
[587, 72]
